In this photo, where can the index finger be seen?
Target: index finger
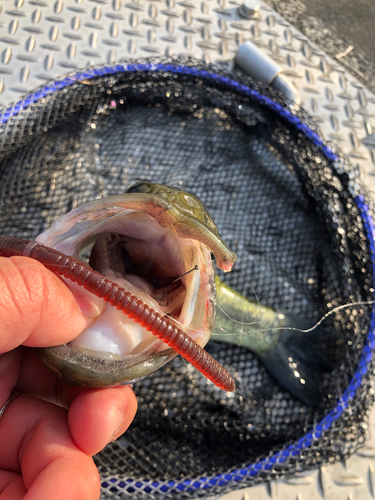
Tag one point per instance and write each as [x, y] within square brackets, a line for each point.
[37, 308]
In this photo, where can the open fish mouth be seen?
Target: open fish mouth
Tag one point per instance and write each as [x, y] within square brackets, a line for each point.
[156, 242]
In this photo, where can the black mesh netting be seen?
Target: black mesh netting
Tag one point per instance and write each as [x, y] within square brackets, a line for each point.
[287, 204]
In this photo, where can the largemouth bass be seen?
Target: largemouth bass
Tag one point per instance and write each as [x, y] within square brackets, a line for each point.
[156, 242]
[159, 242]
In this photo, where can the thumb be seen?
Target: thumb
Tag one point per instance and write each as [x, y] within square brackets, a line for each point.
[37, 308]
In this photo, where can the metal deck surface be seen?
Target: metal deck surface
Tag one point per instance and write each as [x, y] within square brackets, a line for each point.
[41, 40]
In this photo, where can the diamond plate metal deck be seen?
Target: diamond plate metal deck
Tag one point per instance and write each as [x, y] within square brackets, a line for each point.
[353, 480]
[41, 40]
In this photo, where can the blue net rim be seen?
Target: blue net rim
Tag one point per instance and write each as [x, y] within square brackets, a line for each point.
[295, 449]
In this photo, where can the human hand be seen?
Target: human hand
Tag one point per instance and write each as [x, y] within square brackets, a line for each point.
[49, 433]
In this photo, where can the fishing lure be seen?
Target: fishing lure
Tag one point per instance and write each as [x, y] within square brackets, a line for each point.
[118, 297]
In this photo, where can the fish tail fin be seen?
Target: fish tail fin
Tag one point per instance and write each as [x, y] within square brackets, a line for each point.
[299, 359]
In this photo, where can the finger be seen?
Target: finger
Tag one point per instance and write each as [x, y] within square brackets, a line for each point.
[35, 439]
[110, 410]
[36, 307]
[22, 370]
[73, 477]
[11, 486]
[10, 363]
[35, 379]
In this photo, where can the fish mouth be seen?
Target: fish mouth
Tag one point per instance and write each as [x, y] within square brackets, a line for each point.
[171, 274]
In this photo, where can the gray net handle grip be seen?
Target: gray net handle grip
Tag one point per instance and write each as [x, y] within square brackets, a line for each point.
[261, 68]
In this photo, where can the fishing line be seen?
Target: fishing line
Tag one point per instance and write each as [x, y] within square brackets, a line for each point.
[244, 293]
[308, 330]
[30, 246]
[252, 323]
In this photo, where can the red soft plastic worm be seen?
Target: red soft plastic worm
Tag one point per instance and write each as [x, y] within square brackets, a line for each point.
[118, 297]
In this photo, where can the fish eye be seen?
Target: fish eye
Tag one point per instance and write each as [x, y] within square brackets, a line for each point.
[212, 256]
[192, 201]
[140, 187]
